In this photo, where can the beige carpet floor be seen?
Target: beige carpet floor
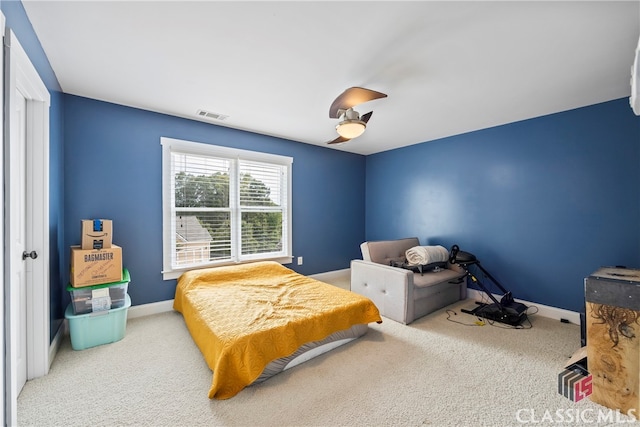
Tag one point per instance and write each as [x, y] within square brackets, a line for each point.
[433, 372]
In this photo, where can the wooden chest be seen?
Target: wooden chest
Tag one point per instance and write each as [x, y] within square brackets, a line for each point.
[613, 338]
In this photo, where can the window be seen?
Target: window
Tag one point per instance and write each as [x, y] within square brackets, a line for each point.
[222, 206]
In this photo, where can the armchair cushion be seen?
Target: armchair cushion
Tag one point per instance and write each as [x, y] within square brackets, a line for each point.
[385, 251]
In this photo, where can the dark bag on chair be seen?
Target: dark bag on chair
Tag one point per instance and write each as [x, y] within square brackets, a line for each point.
[419, 268]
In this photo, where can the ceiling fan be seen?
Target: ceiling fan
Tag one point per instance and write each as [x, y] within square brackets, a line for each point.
[352, 124]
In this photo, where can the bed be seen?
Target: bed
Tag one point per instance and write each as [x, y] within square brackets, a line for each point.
[251, 321]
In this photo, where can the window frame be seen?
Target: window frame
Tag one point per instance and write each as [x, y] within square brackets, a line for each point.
[234, 155]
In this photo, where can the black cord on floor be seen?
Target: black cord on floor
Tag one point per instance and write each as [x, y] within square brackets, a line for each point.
[453, 313]
[485, 321]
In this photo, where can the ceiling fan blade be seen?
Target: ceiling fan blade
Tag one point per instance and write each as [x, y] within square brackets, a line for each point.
[352, 97]
[365, 117]
[339, 140]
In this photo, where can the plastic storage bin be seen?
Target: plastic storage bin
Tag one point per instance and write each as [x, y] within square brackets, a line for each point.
[97, 328]
[100, 297]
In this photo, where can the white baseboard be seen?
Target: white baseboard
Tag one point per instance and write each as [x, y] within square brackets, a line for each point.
[57, 339]
[542, 310]
[329, 275]
[472, 294]
[149, 309]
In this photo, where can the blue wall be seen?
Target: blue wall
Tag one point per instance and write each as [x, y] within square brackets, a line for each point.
[113, 166]
[542, 203]
[17, 20]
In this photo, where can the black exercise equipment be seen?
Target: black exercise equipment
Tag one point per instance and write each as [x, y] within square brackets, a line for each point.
[506, 310]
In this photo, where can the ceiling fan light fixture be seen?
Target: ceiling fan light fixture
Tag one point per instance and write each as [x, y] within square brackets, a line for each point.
[351, 128]
[351, 124]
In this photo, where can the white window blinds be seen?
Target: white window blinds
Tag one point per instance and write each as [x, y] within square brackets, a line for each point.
[223, 205]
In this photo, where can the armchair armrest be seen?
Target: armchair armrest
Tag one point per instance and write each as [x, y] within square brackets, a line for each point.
[390, 288]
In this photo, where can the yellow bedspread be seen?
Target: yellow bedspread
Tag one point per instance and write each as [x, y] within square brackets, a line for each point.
[243, 317]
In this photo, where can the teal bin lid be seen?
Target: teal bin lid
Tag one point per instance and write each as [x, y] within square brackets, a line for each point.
[125, 279]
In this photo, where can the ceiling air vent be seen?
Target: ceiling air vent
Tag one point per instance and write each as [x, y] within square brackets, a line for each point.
[212, 116]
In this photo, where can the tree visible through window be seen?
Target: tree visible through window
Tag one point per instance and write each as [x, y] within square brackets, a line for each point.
[223, 207]
[204, 191]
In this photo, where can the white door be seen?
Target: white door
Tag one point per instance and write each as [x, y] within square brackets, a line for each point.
[20, 266]
[26, 224]
[3, 374]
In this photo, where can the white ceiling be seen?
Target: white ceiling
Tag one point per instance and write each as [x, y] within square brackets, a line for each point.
[275, 67]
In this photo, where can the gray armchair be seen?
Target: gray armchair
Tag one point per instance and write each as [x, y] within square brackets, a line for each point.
[401, 294]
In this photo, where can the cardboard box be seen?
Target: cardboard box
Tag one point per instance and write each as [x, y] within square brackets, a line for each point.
[96, 234]
[96, 266]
